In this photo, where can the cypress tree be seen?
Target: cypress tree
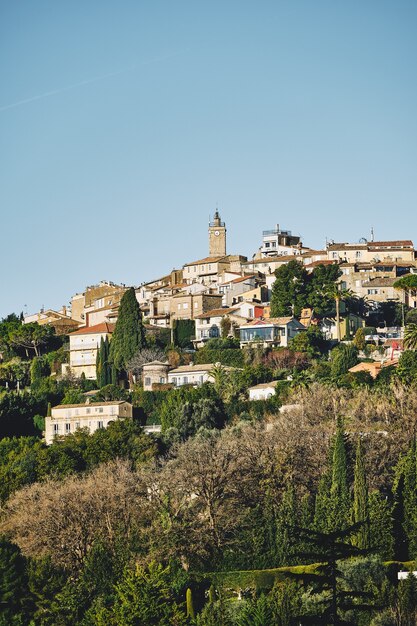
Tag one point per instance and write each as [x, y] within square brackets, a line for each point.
[405, 505]
[107, 367]
[190, 605]
[129, 334]
[410, 497]
[339, 490]
[400, 537]
[99, 364]
[360, 500]
[332, 507]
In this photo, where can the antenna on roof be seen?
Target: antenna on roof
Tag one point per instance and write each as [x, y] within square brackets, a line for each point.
[372, 233]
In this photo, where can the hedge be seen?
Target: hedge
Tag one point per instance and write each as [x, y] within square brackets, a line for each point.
[228, 356]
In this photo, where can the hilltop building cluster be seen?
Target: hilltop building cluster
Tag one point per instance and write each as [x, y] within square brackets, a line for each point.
[223, 285]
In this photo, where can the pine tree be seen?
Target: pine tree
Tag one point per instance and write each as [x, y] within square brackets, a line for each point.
[129, 334]
[360, 500]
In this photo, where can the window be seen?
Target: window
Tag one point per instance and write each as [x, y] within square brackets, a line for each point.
[77, 425]
[185, 380]
[100, 410]
[88, 411]
[174, 382]
[358, 254]
[267, 244]
[185, 305]
[334, 255]
[373, 292]
[147, 380]
[100, 425]
[196, 305]
[56, 429]
[67, 428]
[162, 380]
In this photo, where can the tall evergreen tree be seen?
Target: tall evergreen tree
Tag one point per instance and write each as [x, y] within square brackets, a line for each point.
[339, 490]
[129, 334]
[332, 510]
[405, 509]
[360, 500]
[13, 583]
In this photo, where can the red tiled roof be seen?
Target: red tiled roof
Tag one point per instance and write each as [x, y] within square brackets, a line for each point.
[104, 327]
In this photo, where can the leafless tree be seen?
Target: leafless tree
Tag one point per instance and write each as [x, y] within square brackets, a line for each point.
[147, 355]
[63, 519]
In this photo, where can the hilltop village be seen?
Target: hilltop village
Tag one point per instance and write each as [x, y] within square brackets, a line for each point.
[231, 443]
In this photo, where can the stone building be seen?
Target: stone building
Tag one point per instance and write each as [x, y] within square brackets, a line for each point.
[67, 418]
[154, 373]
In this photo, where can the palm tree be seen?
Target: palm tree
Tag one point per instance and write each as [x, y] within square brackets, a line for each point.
[338, 294]
[410, 337]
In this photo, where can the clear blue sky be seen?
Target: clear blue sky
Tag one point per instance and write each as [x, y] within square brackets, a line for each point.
[123, 123]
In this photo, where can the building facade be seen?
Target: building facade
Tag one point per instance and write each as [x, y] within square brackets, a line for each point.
[68, 418]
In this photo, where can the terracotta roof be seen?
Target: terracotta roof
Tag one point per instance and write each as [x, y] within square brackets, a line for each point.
[87, 404]
[216, 313]
[208, 259]
[104, 327]
[373, 368]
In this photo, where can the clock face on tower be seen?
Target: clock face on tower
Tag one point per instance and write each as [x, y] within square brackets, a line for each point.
[217, 233]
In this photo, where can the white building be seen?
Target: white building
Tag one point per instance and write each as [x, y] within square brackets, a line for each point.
[67, 418]
[84, 344]
[263, 391]
[276, 331]
[193, 374]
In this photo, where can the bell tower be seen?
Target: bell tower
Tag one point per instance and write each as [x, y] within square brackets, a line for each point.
[217, 236]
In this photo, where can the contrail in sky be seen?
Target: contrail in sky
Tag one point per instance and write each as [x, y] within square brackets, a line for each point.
[88, 81]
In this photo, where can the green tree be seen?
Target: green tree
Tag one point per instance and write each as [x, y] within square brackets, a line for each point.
[360, 500]
[407, 367]
[410, 337]
[39, 369]
[336, 598]
[129, 333]
[289, 293]
[343, 357]
[406, 488]
[13, 584]
[332, 510]
[407, 600]
[338, 294]
[321, 285]
[359, 339]
[144, 597]
[31, 337]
